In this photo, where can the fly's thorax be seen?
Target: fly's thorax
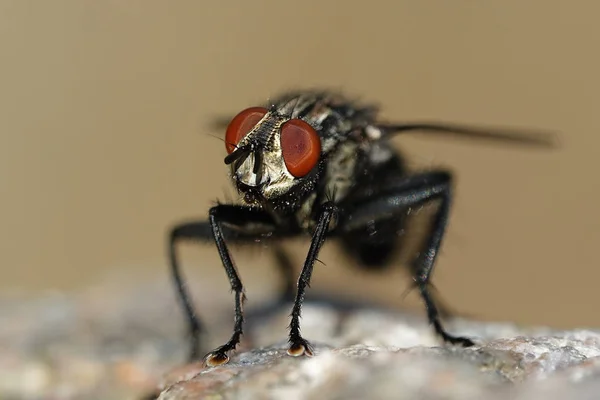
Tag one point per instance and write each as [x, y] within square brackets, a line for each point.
[335, 183]
[340, 174]
[305, 214]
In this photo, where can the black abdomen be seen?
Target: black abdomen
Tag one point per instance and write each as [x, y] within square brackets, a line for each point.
[375, 245]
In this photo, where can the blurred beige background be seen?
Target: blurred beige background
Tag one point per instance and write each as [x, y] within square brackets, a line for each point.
[105, 108]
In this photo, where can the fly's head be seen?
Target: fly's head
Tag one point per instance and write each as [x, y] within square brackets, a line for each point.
[270, 153]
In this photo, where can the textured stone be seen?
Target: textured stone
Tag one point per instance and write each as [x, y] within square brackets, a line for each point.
[375, 354]
[125, 343]
[496, 369]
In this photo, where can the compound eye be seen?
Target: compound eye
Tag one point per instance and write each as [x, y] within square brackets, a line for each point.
[300, 146]
[241, 124]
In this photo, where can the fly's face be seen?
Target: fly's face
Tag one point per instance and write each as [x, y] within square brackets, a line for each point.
[269, 153]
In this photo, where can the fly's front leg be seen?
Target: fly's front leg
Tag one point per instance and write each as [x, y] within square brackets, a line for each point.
[251, 223]
[394, 198]
[297, 344]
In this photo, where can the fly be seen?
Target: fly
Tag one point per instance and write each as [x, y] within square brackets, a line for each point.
[317, 164]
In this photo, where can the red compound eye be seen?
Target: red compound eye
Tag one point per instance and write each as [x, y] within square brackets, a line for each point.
[301, 147]
[241, 124]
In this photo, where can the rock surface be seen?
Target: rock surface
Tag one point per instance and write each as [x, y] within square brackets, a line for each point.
[400, 359]
[126, 344]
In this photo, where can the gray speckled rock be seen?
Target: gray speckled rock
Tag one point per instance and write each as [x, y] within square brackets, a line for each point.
[402, 360]
[124, 342]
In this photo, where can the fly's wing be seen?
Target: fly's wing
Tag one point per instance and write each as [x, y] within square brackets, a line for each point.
[522, 137]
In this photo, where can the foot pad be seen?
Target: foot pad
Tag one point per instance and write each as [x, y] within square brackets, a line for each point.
[300, 349]
[216, 359]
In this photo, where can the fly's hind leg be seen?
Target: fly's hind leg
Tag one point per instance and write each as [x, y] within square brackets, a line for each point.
[394, 199]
